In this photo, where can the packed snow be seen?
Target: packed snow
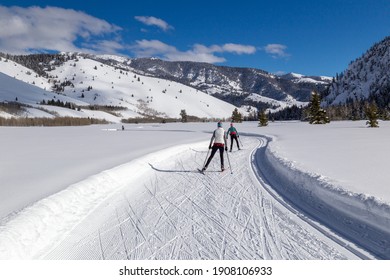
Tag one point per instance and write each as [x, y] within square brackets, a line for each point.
[294, 191]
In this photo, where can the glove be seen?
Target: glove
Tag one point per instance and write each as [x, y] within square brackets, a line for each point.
[238, 136]
[209, 147]
[226, 149]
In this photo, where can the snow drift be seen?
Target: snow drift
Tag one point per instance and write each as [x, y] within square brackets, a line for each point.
[363, 219]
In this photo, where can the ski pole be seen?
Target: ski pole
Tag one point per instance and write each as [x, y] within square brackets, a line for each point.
[230, 166]
[208, 151]
[239, 140]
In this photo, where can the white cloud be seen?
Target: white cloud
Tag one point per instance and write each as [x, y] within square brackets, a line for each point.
[276, 50]
[153, 21]
[148, 48]
[199, 52]
[239, 49]
[52, 28]
[36, 29]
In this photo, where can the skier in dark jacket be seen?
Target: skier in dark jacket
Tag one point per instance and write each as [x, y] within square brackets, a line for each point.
[232, 131]
[217, 142]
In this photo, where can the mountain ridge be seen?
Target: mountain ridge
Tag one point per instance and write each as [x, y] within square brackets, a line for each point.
[86, 80]
[367, 78]
[248, 89]
[232, 84]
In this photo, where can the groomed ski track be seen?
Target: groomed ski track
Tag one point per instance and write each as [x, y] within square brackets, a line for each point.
[171, 211]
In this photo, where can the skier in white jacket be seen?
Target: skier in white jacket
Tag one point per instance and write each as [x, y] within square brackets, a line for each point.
[217, 142]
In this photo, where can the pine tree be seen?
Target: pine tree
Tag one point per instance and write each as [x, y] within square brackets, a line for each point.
[263, 119]
[236, 116]
[372, 115]
[316, 114]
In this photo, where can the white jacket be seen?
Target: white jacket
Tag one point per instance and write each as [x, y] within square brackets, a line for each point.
[218, 137]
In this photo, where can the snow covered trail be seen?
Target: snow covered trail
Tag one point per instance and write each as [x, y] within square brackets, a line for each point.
[355, 222]
[177, 213]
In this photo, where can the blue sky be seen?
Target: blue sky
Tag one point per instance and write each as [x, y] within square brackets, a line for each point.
[303, 36]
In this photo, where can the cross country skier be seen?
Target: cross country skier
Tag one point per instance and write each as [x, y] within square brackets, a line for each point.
[218, 142]
[232, 131]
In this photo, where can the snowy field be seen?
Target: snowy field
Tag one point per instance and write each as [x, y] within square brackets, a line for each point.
[295, 191]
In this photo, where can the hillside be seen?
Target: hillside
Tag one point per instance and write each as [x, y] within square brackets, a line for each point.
[149, 87]
[84, 81]
[239, 86]
[366, 78]
[26, 100]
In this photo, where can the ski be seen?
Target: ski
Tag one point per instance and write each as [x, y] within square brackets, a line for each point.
[204, 172]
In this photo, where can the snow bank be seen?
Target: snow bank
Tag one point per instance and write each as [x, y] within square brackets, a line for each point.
[32, 232]
[364, 219]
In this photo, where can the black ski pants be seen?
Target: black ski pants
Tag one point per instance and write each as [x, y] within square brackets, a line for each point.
[234, 137]
[214, 149]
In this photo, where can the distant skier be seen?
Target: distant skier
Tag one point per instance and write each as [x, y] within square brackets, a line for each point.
[217, 142]
[232, 131]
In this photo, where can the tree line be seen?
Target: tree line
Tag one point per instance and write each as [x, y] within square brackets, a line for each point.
[57, 121]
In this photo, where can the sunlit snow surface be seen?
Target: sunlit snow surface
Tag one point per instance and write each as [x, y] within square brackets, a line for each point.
[101, 193]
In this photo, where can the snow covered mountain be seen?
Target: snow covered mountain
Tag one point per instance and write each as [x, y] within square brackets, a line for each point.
[239, 86]
[301, 79]
[84, 81]
[30, 102]
[367, 77]
[151, 87]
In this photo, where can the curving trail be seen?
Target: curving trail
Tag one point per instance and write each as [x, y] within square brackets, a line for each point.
[178, 213]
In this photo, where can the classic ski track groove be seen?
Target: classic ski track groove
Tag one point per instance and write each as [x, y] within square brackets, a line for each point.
[187, 215]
